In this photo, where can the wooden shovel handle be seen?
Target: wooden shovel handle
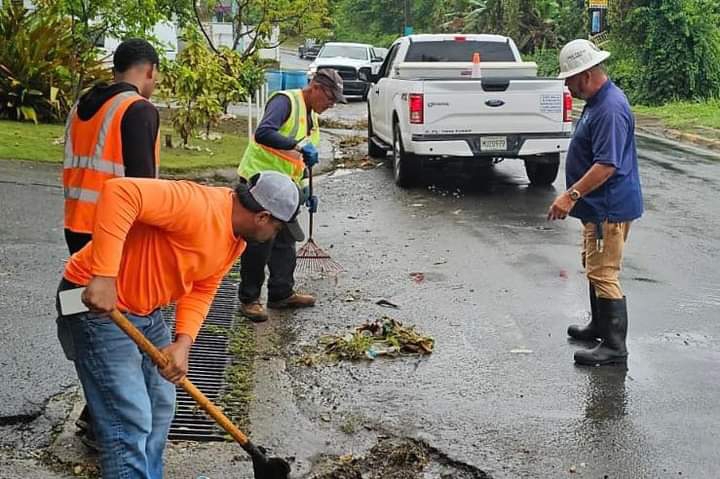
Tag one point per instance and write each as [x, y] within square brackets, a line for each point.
[161, 360]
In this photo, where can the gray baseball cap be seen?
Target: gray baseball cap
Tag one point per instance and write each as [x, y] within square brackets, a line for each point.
[331, 79]
[276, 193]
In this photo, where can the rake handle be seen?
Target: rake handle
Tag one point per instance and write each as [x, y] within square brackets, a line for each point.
[310, 185]
[161, 360]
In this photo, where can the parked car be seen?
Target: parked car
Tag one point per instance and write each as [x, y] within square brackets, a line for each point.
[430, 105]
[347, 59]
[309, 50]
[381, 52]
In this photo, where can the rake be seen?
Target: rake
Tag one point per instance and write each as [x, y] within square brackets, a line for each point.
[310, 257]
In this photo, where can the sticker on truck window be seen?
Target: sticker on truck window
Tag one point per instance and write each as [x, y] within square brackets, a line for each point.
[551, 103]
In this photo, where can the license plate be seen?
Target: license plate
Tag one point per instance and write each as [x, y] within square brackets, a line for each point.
[493, 143]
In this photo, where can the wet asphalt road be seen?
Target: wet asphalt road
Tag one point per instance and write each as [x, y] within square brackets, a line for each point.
[498, 278]
[500, 286]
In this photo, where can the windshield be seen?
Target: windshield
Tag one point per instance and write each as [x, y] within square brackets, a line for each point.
[459, 51]
[356, 53]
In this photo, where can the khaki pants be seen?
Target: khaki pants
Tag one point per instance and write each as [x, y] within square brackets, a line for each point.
[603, 268]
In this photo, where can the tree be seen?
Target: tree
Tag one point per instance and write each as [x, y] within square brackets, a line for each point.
[676, 49]
[92, 20]
[254, 20]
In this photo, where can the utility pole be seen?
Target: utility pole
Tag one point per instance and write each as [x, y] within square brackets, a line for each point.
[407, 27]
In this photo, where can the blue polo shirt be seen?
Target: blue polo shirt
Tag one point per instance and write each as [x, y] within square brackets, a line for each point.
[605, 133]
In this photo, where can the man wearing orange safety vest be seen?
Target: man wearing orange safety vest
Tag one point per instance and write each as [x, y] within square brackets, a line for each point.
[112, 131]
[285, 141]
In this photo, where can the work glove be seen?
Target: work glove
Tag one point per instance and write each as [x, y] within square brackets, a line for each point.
[310, 155]
[304, 194]
[312, 204]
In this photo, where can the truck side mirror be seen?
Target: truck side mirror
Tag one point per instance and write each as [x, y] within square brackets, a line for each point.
[365, 74]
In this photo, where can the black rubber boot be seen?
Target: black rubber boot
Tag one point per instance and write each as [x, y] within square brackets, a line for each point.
[591, 331]
[613, 328]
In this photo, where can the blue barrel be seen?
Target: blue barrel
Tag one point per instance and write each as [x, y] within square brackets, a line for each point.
[294, 79]
[274, 80]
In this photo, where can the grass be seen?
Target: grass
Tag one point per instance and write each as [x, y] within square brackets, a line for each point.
[240, 375]
[685, 115]
[27, 141]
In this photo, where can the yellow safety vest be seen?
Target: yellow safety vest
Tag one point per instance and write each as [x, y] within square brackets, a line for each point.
[259, 158]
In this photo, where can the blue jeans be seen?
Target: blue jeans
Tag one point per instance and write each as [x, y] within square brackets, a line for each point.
[131, 404]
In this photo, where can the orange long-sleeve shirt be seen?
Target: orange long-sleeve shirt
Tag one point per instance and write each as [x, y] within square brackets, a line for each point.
[164, 241]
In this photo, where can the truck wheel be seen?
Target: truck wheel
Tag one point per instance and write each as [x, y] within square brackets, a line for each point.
[406, 166]
[374, 150]
[544, 171]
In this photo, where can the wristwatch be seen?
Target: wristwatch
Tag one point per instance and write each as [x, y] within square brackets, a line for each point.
[574, 194]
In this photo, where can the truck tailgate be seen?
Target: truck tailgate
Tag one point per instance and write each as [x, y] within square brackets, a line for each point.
[530, 105]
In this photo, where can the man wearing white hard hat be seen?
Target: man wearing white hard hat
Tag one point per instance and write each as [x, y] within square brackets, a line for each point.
[603, 191]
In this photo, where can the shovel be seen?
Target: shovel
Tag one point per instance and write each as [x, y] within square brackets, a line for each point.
[263, 467]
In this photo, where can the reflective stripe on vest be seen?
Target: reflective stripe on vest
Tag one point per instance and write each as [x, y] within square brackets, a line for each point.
[93, 155]
[262, 158]
[96, 162]
[81, 194]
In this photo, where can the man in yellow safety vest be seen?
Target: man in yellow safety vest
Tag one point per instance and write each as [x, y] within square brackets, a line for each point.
[286, 141]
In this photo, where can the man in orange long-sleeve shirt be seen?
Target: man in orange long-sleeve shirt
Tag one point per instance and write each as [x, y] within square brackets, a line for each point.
[156, 242]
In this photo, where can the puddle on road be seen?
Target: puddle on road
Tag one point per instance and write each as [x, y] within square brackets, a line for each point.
[397, 458]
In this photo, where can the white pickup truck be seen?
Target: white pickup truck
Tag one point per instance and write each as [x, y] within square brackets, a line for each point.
[429, 105]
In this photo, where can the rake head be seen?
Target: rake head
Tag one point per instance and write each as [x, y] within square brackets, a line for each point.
[313, 259]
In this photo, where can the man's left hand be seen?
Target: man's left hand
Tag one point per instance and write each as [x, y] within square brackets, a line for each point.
[561, 207]
[178, 353]
[310, 155]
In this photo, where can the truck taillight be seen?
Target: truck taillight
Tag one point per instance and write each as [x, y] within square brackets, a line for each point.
[417, 108]
[567, 107]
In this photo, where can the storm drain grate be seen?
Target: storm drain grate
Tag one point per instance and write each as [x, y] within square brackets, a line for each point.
[209, 358]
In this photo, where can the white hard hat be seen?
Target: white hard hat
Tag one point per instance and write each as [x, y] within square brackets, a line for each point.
[579, 56]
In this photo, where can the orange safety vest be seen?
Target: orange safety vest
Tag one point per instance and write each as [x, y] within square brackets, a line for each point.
[93, 155]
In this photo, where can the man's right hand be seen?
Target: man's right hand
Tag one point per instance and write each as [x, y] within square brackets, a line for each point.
[100, 295]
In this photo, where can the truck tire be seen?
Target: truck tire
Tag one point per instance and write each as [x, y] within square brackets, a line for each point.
[406, 166]
[374, 151]
[543, 172]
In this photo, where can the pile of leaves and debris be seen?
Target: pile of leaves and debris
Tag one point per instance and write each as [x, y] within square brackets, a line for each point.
[382, 337]
[396, 458]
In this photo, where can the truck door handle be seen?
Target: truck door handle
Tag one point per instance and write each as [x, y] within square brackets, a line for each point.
[377, 92]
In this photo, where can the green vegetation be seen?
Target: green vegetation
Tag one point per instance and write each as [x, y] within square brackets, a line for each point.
[534, 24]
[663, 50]
[37, 64]
[685, 115]
[240, 375]
[667, 50]
[26, 141]
[202, 83]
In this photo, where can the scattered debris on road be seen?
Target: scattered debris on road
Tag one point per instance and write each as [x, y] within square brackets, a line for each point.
[382, 337]
[386, 304]
[398, 458]
[418, 277]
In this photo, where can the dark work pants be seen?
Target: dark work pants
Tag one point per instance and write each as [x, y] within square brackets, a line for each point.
[280, 257]
[75, 242]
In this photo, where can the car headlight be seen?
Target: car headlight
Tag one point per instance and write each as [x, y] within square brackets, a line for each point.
[312, 71]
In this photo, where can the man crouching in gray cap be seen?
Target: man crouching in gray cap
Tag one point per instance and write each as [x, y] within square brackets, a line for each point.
[285, 141]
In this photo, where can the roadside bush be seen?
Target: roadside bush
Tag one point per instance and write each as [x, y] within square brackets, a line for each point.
[676, 50]
[200, 84]
[547, 61]
[36, 52]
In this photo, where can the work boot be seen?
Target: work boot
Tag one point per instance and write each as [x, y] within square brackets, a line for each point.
[88, 438]
[295, 300]
[254, 311]
[589, 332]
[612, 320]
